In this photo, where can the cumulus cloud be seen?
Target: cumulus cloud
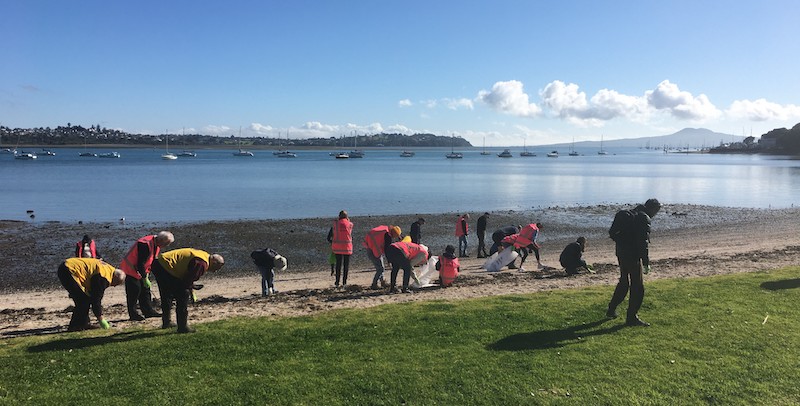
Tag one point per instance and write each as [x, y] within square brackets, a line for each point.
[762, 110]
[217, 130]
[667, 96]
[456, 104]
[399, 129]
[405, 103]
[261, 129]
[566, 101]
[510, 98]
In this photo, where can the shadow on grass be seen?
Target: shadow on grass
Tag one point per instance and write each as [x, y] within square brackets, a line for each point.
[85, 342]
[540, 340]
[780, 285]
[33, 331]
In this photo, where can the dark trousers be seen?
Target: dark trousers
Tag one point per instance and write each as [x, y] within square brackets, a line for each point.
[482, 244]
[136, 292]
[630, 279]
[267, 278]
[342, 267]
[398, 260]
[170, 287]
[80, 314]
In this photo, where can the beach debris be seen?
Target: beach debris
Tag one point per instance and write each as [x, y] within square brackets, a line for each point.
[765, 320]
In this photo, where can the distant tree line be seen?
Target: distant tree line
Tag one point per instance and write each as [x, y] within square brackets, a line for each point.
[76, 135]
[778, 141]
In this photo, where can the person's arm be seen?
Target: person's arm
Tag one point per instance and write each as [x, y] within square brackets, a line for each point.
[197, 268]
[144, 254]
[642, 241]
[97, 287]
[330, 235]
[464, 226]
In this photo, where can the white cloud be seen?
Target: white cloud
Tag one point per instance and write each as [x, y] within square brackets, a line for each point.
[399, 129]
[568, 102]
[261, 129]
[217, 130]
[762, 110]
[456, 104]
[431, 104]
[405, 103]
[510, 98]
[680, 104]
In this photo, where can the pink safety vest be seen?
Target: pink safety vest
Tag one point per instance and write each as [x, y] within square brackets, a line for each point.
[448, 270]
[342, 237]
[374, 240]
[128, 264]
[459, 229]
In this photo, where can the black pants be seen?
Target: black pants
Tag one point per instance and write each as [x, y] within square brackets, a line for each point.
[630, 279]
[170, 287]
[342, 267]
[482, 244]
[398, 260]
[135, 291]
[80, 314]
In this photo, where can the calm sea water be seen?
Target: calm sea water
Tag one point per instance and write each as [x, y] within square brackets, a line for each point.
[141, 187]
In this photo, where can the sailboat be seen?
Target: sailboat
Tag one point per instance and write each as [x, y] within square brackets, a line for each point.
[484, 152]
[572, 151]
[602, 151]
[241, 152]
[284, 153]
[186, 153]
[525, 151]
[168, 156]
[453, 154]
[86, 153]
[356, 153]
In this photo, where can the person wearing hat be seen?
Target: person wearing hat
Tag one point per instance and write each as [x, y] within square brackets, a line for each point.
[267, 260]
[481, 232]
[448, 266]
[175, 272]
[375, 242]
[416, 230]
[633, 256]
[86, 280]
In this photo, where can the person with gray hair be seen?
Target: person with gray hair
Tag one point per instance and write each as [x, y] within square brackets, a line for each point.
[86, 280]
[176, 272]
[631, 233]
[136, 265]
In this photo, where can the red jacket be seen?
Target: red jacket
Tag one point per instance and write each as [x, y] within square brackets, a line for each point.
[342, 237]
[131, 261]
[462, 227]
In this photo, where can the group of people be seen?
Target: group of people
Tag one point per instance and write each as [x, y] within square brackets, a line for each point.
[87, 276]
[385, 242]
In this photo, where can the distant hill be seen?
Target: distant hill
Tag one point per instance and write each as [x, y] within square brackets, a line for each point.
[688, 137]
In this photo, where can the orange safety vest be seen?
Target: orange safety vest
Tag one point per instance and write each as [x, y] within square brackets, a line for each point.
[128, 264]
[415, 253]
[92, 248]
[527, 235]
[342, 237]
[374, 240]
[82, 270]
[176, 262]
[459, 229]
[448, 270]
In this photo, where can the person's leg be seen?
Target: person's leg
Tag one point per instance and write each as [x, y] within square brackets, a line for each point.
[637, 291]
[394, 256]
[146, 301]
[165, 290]
[379, 270]
[621, 290]
[80, 313]
[345, 268]
[271, 280]
[182, 309]
[536, 253]
[264, 285]
[481, 246]
[407, 270]
[338, 269]
[132, 291]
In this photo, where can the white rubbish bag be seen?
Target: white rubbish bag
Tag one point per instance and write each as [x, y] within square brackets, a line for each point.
[425, 274]
[498, 260]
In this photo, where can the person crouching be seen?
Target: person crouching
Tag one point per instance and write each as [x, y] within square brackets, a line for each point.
[406, 255]
[86, 280]
[448, 266]
[175, 272]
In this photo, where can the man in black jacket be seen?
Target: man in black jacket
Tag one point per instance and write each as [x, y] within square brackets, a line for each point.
[416, 230]
[633, 255]
[481, 232]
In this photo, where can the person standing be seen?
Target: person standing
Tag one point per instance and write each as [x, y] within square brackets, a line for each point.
[632, 240]
[136, 265]
[572, 257]
[87, 248]
[376, 242]
[481, 232]
[86, 280]
[416, 230]
[405, 255]
[462, 231]
[341, 238]
[176, 271]
[448, 266]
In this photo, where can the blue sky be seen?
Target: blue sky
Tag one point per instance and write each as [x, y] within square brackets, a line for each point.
[505, 71]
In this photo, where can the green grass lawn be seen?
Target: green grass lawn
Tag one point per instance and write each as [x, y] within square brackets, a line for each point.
[711, 342]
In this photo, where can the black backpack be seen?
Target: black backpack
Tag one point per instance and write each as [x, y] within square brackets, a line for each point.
[265, 257]
[623, 227]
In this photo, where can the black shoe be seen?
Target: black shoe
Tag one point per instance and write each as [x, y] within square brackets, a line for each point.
[148, 315]
[637, 322]
[136, 317]
[512, 266]
[481, 256]
[407, 291]
[186, 329]
[394, 290]
[612, 314]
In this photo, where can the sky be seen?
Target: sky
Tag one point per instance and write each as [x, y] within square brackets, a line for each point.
[495, 72]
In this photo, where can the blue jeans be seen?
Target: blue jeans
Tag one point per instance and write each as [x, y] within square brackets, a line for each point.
[462, 246]
[267, 277]
[379, 269]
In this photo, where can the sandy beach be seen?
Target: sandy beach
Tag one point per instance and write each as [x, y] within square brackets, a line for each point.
[687, 241]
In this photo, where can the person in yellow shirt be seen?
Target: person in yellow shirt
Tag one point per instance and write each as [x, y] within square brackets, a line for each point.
[86, 280]
[175, 272]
